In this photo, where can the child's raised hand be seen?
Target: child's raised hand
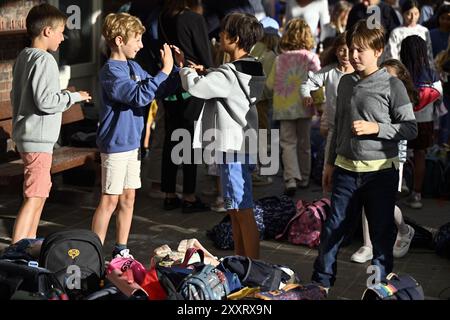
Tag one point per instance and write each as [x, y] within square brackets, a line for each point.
[167, 59]
[361, 127]
[85, 96]
[179, 56]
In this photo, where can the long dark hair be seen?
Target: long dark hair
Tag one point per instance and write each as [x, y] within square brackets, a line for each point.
[403, 74]
[329, 55]
[174, 7]
[414, 56]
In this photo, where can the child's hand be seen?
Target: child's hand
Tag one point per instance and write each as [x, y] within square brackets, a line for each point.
[361, 127]
[179, 56]
[308, 102]
[200, 69]
[85, 96]
[167, 59]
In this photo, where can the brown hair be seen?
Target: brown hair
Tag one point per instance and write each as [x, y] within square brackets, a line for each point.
[121, 24]
[297, 35]
[244, 27]
[328, 56]
[364, 37]
[404, 75]
[42, 16]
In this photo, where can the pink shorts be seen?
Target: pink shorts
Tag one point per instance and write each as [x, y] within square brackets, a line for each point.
[37, 181]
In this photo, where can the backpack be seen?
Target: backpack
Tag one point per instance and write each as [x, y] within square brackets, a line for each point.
[442, 241]
[275, 213]
[305, 227]
[208, 283]
[427, 94]
[395, 287]
[20, 280]
[433, 182]
[64, 251]
[258, 273]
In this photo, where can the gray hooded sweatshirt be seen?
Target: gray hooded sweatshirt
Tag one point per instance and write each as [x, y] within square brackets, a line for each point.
[37, 101]
[229, 113]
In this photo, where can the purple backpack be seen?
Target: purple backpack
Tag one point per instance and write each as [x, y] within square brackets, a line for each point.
[305, 227]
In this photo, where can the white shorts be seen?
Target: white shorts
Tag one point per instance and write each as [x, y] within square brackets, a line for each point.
[121, 171]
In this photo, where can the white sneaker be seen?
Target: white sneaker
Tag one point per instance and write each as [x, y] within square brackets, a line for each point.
[218, 206]
[362, 255]
[125, 253]
[403, 242]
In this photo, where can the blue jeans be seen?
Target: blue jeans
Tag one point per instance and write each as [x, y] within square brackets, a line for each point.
[376, 192]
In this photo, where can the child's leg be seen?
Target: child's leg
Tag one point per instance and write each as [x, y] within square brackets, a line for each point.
[345, 205]
[380, 189]
[239, 248]
[288, 142]
[124, 216]
[103, 213]
[36, 188]
[365, 228]
[304, 149]
[401, 225]
[248, 231]
[25, 225]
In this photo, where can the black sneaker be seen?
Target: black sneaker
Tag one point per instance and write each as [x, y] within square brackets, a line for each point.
[192, 207]
[172, 203]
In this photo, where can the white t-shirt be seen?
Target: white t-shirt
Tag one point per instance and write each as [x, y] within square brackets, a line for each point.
[313, 13]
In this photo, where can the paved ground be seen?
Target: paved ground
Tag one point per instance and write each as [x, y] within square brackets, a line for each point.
[153, 227]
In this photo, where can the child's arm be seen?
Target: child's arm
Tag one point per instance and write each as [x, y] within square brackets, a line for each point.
[313, 82]
[47, 94]
[216, 83]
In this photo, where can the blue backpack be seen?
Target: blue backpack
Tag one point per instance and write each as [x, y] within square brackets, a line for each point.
[208, 283]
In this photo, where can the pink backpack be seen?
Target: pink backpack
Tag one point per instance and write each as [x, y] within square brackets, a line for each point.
[305, 227]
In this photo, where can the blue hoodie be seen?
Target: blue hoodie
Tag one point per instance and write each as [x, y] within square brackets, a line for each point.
[126, 90]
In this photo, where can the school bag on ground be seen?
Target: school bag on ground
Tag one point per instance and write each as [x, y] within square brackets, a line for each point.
[275, 212]
[66, 252]
[305, 227]
[442, 241]
[207, 283]
[258, 273]
[21, 281]
[395, 287]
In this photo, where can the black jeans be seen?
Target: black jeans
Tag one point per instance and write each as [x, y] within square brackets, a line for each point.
[375, 191]
[175, 119]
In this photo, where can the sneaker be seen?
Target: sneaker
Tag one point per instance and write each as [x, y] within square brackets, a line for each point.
[403, 242]
[124, 253]
[192, 207]
[291, 187]
[171, 203]
[414, 201]
[362, 255]
[303, 184]
[258, 180]
[218, 206]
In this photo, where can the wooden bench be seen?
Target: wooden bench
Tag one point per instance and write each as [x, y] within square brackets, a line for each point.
[64, 158]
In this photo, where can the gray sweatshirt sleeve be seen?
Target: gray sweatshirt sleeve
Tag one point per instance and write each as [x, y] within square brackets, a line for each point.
[403, 124]
[48, 96]
[217, 83]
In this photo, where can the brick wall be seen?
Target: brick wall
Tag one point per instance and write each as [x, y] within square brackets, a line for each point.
[12, 19]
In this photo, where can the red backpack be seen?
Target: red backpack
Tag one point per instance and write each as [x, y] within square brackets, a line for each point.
[305, 227]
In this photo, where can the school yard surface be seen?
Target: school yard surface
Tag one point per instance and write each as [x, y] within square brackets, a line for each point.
[153, 227]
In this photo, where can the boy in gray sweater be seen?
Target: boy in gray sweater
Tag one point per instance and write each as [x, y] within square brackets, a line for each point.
[38, 103]
[373, 113]
[228, 117]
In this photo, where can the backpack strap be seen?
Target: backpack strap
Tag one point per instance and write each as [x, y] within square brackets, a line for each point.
[298, 213]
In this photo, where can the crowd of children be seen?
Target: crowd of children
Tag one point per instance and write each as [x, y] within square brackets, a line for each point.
[376, 82]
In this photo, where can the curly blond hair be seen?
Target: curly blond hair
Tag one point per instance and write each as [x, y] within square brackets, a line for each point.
[123, 25]
[297, 35]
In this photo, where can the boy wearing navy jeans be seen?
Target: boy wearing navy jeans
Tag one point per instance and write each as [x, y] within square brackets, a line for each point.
[373, 113]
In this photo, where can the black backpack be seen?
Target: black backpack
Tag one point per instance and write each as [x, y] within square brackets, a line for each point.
[442, 241]
[257, 273]
[395, 287]
[21, 281]
[62, 252]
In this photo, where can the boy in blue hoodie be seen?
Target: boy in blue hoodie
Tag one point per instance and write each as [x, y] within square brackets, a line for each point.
[126, 90]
